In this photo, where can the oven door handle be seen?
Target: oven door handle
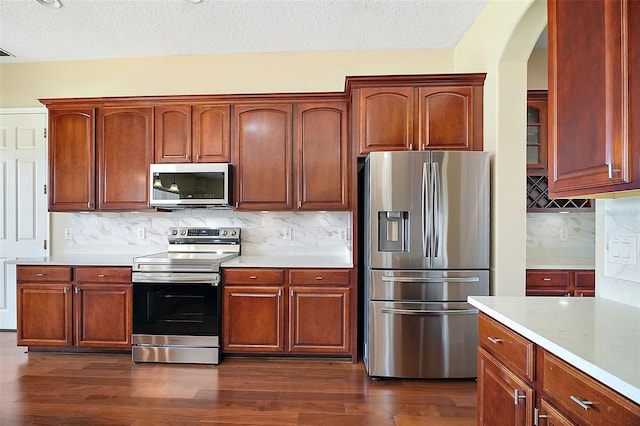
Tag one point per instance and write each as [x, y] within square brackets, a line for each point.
[161, 277]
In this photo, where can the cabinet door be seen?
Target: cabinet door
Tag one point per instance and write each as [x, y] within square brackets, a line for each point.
[590, 145]
[263, 157]
[537, 132]
[44, 314]
[503, 398]
[71, 159]
[211, 142]
[585, 283]
[125, 150]
[383, 119]
[253, 319]
[319, 319]
[446, 118]
[173, 134]
[322, 157]
[102, 315]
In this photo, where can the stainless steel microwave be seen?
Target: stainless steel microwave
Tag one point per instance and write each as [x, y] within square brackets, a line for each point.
[190, 185]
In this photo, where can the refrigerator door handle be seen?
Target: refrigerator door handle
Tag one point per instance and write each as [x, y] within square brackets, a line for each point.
[395, 311]
[387, 278]
[426, 247]
[436, 193]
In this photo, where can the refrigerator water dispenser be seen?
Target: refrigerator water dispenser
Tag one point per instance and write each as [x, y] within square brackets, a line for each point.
[393, 232]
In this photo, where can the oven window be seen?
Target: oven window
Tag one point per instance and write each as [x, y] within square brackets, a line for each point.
[176, 309]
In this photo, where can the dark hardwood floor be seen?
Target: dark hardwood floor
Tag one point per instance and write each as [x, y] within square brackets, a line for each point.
[88, 389]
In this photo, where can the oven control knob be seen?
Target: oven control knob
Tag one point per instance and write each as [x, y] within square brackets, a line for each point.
[174, 232]
[223, 232]
[183, 232]
[234, 233]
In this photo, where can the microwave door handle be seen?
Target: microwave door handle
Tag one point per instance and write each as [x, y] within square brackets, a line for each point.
[426, 247]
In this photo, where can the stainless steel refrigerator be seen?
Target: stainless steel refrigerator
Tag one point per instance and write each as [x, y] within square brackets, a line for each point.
[426, 244]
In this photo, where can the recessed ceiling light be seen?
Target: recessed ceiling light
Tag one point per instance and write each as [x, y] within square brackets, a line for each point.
[55, 4]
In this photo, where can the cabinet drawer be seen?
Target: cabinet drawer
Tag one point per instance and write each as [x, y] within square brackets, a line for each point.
[569, 388]
[508, 346]
[253, 276]
[99, 274]
[548, 278]
[319, 276]
[43, 273]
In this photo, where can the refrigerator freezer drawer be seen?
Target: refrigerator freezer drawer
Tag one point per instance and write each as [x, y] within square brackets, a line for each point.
[439, 286]
[421, 340]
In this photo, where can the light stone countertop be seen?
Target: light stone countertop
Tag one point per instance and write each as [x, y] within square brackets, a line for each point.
[560, 263]
[296, 261]
[596, 335]
[76, 260]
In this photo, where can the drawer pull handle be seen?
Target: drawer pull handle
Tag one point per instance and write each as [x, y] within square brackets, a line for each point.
[537, 416]
[77, 290]
[319, 278]
[583, 404]
[101, 275]
[546, 279]
[252, 277]
[494, 340]
[517, 397]
[64, 290]
[40, 274]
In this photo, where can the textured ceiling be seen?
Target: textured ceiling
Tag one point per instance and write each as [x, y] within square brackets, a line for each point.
[94, 29]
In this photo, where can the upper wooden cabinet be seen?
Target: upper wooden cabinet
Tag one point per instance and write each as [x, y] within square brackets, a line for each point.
[537, 112]
[71, 159]
[594, 97]
[125, 149]
[99, 157]
[291, 156]
[321, 159]
[397, 113]
[263, 156]
[198, 133]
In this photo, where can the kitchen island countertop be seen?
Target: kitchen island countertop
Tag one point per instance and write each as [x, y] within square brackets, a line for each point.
[598, 336]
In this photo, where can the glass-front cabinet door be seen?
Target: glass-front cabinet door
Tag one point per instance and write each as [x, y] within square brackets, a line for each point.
[537, 132]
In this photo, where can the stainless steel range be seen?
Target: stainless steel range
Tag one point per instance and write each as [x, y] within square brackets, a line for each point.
[177, 297]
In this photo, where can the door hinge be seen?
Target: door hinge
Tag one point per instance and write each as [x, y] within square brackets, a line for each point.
[45, 132]
[45, 189]
[45, 244]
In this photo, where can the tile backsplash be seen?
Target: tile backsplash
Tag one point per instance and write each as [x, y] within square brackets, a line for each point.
[544, 235]
[312, 233]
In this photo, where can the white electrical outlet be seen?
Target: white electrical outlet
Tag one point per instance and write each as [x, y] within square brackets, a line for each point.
[140, 232]
[67, 234]
[342, 234]
[286, 233]
[564, 234]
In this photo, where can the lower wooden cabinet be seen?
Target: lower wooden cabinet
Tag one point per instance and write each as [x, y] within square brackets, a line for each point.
[520, 383]
[561, 282]
[287, 311]
[81, 307]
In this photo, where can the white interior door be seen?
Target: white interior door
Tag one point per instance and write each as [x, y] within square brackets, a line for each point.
[24, 221]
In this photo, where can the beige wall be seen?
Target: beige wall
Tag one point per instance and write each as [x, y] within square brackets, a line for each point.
[499, 43]
[21, 85]
[538, 70]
